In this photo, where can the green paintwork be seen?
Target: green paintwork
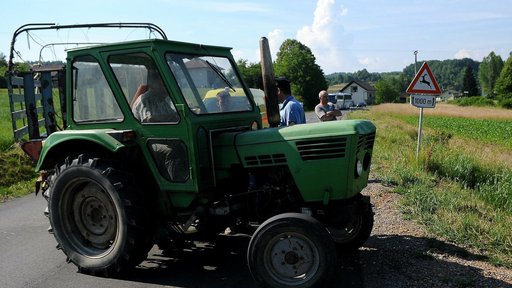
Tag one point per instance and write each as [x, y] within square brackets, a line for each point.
[98, 136]
[330, 177]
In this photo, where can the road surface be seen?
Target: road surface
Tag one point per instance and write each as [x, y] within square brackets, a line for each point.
[29, 259]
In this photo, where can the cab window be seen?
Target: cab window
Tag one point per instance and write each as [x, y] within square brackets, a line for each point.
[144, 88]
[208, 84]
[93, 100]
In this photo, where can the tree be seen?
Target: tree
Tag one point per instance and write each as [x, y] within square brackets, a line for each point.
[386, 91]
[3, 61]
[504, 84]
[251, 73]
[296, 61]
[3, 69]
[469, 82]
[488, 73]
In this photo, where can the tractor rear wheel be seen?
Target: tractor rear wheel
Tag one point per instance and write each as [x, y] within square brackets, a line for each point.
[97, 217]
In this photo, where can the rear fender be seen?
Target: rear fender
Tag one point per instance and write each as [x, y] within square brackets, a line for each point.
[59, 145]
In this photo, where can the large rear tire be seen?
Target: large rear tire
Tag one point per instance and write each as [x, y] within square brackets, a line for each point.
[98, 217]
[291, 250]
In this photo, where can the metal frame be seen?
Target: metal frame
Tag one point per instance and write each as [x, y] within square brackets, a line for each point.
[37, 93]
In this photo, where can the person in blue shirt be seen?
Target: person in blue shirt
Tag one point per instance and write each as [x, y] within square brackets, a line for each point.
[291, 111]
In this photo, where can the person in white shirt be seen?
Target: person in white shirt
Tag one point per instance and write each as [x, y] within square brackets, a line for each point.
[151, 102]
[325, 110]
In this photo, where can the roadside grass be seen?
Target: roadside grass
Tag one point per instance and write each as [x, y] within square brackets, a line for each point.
[457, 187]
[6, 136]
[18, 176]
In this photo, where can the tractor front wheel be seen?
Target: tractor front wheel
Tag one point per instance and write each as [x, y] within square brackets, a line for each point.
[291, 250]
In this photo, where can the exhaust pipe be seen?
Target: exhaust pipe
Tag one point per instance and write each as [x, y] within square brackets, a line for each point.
[269, 84]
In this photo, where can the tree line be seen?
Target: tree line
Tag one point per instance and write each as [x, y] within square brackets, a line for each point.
[490, 78]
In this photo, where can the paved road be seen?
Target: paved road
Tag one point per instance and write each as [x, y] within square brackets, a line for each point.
[28, 258]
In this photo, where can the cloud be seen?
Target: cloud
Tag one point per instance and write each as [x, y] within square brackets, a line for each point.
[473, 54]
[275, 39]
[325, 34]
[370, 62]
[319, 33]
[462, 53]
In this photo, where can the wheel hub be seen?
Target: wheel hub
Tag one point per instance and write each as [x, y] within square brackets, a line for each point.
[95, 216]
[293, 257]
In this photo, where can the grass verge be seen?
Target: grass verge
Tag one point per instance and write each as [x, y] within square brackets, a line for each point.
[458, 194]
[18, 176]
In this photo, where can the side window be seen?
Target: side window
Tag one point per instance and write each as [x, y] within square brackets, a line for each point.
[354, 89]
[93, 99]
[143, 88]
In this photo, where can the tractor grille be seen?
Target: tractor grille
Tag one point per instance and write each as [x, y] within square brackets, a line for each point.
[322, 148]
[365, 142]
[266, 159]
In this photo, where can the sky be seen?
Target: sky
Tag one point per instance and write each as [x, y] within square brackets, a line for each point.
[344, 36]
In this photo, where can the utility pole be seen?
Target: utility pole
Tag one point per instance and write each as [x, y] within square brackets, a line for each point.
[415, 61]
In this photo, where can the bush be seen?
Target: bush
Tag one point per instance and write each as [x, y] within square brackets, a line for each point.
[474, 101]
[506, 101]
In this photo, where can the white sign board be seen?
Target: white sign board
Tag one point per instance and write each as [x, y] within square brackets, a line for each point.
[423, 101]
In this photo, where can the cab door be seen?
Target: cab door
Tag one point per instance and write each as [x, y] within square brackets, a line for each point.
[159, 121]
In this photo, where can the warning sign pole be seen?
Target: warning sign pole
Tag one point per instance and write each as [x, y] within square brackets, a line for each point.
[419, 134]
[425, 86]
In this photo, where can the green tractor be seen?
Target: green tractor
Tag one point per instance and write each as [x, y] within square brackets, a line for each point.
[119, 178]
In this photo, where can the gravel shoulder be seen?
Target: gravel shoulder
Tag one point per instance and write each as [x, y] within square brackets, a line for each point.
[400, 253]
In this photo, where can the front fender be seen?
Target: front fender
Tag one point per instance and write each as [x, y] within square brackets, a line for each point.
[76, 139]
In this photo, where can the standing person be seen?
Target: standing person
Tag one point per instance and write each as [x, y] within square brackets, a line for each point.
[324, 110]
[291, 110]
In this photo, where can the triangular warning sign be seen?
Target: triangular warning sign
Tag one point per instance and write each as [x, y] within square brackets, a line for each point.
[424, 82]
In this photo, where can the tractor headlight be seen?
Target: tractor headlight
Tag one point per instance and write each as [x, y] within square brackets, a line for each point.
[359, 168]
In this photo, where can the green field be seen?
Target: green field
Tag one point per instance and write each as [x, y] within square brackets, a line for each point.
[6, 138]
[460, 187]
[484, 130]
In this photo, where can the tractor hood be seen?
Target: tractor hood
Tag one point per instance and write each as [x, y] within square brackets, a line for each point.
[305, 131]
[307, 151]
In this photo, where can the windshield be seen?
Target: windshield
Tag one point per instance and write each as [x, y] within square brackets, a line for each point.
[209, 84]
